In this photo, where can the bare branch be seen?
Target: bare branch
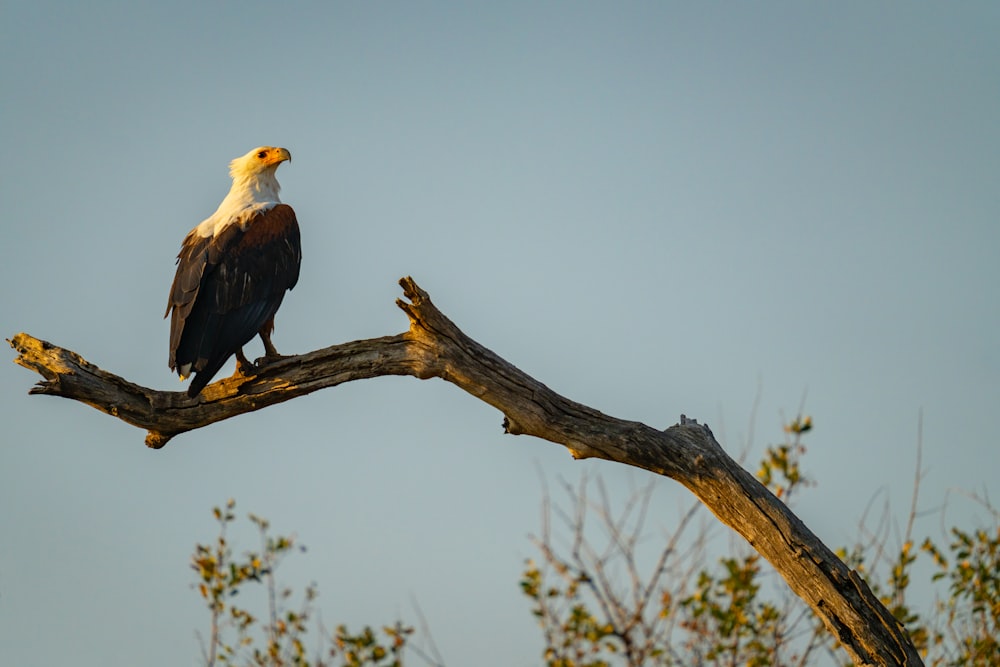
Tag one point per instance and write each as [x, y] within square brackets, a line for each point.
[434, 347]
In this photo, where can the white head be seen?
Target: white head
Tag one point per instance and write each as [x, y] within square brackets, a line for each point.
[256, 168]
[254, 189]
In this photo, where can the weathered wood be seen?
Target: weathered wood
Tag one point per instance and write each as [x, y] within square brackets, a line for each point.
[434, 347]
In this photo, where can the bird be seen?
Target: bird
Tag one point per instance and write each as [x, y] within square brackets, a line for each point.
[233, 270]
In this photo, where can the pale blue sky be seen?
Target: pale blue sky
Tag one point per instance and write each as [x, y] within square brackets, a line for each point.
[654, 208]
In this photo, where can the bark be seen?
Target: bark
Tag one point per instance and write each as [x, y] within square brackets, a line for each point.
[434, 347]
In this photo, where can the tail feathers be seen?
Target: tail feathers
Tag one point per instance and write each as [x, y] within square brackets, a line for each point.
[203, 377]
[199, 382]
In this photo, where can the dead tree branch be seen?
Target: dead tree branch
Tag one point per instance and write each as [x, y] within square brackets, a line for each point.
[434, 347]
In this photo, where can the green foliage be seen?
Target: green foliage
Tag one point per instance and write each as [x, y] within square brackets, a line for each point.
[971, 628]
[779, 470]
[238, 637]
[728, 618]
[574, 635]
[366, 649]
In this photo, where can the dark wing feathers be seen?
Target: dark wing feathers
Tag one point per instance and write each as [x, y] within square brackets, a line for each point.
[198, 257]
[227, 287]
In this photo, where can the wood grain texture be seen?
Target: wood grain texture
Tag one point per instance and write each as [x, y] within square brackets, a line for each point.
[434, 347]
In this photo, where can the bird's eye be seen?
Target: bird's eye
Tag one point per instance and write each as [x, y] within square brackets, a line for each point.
[262, 155]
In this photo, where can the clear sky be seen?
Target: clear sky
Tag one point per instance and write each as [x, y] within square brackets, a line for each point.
[654, 208]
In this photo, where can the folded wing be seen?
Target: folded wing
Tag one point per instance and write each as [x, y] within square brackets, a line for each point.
[228, 287]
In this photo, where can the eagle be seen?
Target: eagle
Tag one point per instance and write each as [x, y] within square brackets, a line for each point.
[233, 270]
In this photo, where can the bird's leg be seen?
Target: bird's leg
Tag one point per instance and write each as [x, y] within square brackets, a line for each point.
[270, 351]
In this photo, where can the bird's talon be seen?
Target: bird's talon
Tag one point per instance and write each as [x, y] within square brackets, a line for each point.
[246, 370]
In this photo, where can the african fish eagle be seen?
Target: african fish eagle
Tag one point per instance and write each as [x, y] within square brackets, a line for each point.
[232, 272]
